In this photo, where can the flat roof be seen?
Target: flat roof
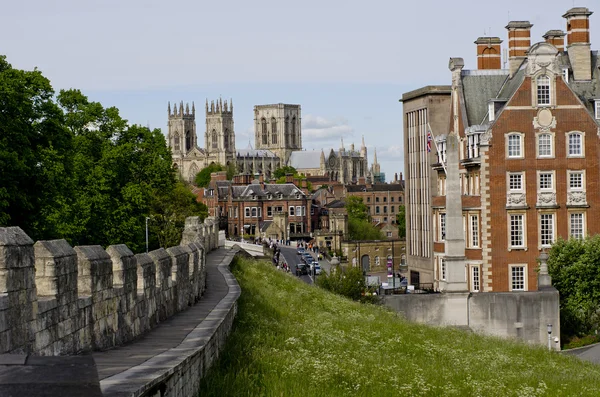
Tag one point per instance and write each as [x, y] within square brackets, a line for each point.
[427, 90]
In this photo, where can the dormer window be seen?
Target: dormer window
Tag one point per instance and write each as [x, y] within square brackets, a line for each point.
[269, 196]
[279, 196]
[254, 197]
[297, 195]
[566, 75]
[543, 90]
[597, 108]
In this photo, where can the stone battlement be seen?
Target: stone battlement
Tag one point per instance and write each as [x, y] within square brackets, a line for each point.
[58, 300]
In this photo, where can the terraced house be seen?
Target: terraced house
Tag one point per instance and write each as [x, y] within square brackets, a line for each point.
[529, 155]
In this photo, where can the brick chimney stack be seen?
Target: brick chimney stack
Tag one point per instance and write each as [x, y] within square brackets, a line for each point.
[578, 42]
[488, 53]
[556, 38]
[519, 41]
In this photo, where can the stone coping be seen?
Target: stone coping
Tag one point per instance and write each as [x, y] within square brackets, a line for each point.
[139, 379]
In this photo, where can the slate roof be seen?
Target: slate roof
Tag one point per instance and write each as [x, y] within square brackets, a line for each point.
[336, 204]
[255, 153]
[383, 187]
[589, 90]
[479, 86]
[256, 189]
[305, 159]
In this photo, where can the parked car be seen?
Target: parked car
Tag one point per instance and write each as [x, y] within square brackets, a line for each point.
[300, 251]
[317, 269]
[301, 269]
[307, 258]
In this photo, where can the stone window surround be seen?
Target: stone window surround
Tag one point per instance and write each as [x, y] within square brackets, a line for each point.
[507, 137]
[508, 177]
[582, 144]
[545, 89]
[474, 277]
[551, 86]
[583, 183]
[583, 223]
[523, 215]
[511, 282]
[552, 232]
[537, 145]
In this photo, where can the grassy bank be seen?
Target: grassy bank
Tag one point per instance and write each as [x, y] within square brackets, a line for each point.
[292, 339]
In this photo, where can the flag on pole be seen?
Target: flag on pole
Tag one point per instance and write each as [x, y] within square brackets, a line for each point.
[429, 139]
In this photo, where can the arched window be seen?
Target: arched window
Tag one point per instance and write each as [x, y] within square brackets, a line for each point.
[287, 129]
[215, 139]
[543, 90]
[273, 131]
[265, 139]
[293, 133]
[188, 141]
[226, 139]
[176, 141]
[514, 145]
[545, 145]
[575, 144]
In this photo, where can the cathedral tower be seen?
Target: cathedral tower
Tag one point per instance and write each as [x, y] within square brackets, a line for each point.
[278, 128]
[181, 137]
[220, 136]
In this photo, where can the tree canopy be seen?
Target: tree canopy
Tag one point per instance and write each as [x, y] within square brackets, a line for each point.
[574, 266]
[283, 171]
[71, 168]
[359, 224]
[401, 221]
[203, 177]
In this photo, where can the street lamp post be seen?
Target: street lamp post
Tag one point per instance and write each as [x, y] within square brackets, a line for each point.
[549, 329]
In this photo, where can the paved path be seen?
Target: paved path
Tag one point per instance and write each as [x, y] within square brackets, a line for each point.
[587, 353]
[171, 332]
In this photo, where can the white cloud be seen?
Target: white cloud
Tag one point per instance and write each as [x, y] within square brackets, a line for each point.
[317, 128]
[394, 152]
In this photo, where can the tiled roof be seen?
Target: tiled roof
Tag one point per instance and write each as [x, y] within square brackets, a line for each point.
[378, 187]
[286, 189]
[479, 86]
[255, 153]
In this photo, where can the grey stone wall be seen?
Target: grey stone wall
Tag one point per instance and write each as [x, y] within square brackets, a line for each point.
[519, 315]
[57, 300]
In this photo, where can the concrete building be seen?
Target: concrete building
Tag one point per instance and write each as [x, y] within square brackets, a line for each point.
[526, 141]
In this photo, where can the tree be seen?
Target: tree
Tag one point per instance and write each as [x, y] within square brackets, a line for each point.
[348, 282]
[203, 177]
[356, 208]
[401, 221]
[283, 171]
[35, 153]
[574, 266]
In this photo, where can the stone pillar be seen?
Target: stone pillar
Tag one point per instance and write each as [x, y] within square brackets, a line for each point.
[544, 279]
[18, 296]
[124, 267]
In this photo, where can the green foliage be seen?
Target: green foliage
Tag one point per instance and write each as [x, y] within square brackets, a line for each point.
[290, 339]
[349, 282]
[359, 229]
[203, 177]
[74, 169]
[574, 266]
[401, 221]
[281, 172]
[356, 208]
[35, 153]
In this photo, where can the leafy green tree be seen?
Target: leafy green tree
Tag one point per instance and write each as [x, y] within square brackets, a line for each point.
[283, 171]
[35, 153]
[574, 266]
[359, 229]
[348, 282]
[401, 221]
[203, 177]
[356, 208]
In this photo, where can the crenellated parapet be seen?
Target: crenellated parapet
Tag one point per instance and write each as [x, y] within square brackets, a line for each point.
[56, 299]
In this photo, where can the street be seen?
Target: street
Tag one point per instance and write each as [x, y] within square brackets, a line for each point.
[293, 259]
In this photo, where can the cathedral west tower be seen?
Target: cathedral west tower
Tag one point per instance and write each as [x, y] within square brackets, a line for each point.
[278, 128]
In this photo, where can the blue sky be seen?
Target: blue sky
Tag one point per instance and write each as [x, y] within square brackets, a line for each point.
[346, 62]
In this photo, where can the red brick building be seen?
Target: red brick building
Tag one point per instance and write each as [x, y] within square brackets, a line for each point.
[529, 156]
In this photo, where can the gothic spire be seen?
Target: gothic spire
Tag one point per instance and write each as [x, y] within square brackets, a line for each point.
[374, 155]
[363, 142]
[169, 108]
[231, 105]
[206, 105]
[193, 108]
[181, 108]
[187, 108]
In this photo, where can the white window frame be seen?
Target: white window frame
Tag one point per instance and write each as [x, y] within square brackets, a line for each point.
[254, 212]
[521, 150]
[292, 210]
[509, 183]
[517, 285]
[523, 217]
[544, 98]
[583, 224]
[443, 270]
[568, 136]
[442, 226]
[547, 228]
[474, 230]
[543, 175]
[538, 145]
[597, 109]
[475, 276]
[570, 187]
[298, 210]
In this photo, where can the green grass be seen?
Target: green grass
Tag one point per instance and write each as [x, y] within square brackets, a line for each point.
[292, 339]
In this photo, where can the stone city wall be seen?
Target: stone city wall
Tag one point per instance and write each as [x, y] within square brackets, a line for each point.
[59, 300]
